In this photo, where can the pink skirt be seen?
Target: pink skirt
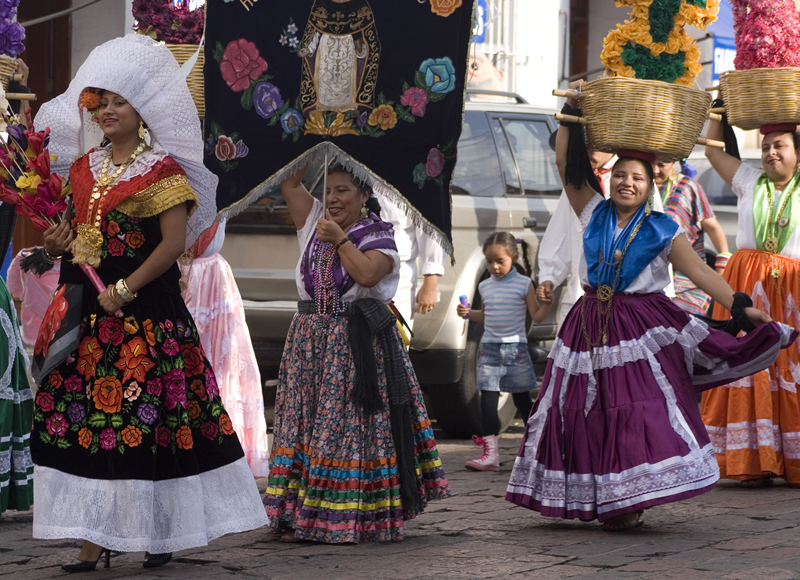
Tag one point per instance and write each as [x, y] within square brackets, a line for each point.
[216, 306]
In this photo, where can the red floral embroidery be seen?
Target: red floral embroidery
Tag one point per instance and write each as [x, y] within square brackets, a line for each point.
[133, 360]
[192, 359]
[89, 352]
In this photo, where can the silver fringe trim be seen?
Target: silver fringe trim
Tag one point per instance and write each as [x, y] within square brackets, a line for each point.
[359, 170]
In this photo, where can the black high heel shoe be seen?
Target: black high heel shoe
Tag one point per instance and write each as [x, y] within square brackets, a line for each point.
[156, 560]
[87, 565]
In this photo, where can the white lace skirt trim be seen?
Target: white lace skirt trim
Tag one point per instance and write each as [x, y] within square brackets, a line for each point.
[133, 515]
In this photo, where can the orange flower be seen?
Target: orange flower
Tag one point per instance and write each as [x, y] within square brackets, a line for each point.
[383, 116]
[445, 7]
[184, 437]
[134, 239]
[199, 389]
[131, 326]
[148, 332]
[113, 228]
[85, 437]
[55, 379]
[89, 352]
[107, 394]
[194, 409]
[131, 436]
[90, 100]
[225, 424]
[132, 360]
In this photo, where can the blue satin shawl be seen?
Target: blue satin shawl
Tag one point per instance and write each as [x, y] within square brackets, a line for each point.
[655, 234]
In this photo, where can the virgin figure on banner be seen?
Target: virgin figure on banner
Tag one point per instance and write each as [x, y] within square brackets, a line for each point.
[340, 51]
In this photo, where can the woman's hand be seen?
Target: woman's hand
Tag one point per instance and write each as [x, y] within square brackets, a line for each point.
[574, 85]
[109, 304]
[58, 238]
[328, 230]
[756, 316]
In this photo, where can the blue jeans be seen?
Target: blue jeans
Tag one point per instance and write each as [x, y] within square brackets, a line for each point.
[505, 367]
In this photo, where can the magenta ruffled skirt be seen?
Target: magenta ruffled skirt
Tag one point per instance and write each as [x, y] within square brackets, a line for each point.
[617, 427]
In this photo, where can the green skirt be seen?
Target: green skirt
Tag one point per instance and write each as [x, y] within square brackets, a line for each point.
[16, 411]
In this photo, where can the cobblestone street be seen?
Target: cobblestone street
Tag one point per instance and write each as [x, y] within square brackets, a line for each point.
[730, 533]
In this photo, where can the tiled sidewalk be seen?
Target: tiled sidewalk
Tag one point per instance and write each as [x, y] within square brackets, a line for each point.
[730, 533]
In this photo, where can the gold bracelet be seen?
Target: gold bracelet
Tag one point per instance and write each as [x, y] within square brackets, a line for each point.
[110, 292]
[48, 257]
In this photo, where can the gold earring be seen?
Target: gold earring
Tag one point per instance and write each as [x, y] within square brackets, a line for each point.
[142, 131]
[364, 211]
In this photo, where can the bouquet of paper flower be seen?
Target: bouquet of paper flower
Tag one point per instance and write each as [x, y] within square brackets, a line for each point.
[166, 22]
[28, 184]
[646, 100]
[763, 88]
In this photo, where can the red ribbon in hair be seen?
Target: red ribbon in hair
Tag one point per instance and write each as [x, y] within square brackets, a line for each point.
[641, 155]
[779, 128]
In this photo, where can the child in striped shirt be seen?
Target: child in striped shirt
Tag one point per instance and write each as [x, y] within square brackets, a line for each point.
[503, 362]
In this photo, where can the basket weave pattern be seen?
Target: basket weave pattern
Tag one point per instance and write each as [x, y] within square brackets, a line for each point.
[182, 53]
[8, 66]
[660, 118]
[761, 96]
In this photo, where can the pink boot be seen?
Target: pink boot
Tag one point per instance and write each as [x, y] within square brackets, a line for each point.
[490, 460]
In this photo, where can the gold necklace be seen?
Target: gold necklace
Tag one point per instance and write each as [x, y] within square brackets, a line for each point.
[605, 293]
[89, 241]
[771, 240]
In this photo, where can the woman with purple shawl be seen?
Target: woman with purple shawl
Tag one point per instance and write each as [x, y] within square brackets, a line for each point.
[616, 428]
[354, 453]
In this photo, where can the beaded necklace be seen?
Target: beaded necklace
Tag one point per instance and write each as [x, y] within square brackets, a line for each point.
[89, 241]
[327, 299]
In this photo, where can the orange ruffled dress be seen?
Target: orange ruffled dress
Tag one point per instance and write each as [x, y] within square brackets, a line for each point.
[754, 423]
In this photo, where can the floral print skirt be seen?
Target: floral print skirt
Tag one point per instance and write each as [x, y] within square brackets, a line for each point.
[333, 470]
[137, 404]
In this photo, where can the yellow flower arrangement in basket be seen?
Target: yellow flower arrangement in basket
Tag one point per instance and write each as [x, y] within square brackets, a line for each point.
[653, 44]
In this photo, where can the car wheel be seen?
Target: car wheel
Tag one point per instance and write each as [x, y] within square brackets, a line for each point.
[456, 407]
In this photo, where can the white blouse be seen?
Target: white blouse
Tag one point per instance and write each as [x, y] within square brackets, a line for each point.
[744, 186]
[383, 290]
[656, 275]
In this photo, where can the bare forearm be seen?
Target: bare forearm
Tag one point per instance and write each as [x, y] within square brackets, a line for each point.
[714, 230]
[476, 316]
[542, 312]
[161, 260]
[367, 269]
[714, 285]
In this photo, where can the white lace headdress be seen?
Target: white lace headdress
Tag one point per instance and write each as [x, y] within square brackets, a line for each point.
[144, 73]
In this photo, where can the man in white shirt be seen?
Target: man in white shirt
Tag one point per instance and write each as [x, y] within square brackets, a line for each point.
[562, 244]
[412, 243]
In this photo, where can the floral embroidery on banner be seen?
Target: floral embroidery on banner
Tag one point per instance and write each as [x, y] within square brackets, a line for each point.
[226, 148]
[433, 167]
[445, 7]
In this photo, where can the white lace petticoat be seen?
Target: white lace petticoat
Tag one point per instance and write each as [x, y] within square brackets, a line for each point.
[133, 515]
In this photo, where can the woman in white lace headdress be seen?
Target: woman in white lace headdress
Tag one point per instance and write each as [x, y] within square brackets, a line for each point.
[134, 450]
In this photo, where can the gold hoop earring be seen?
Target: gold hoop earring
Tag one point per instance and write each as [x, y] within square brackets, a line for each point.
[364, 211]
[142, 131]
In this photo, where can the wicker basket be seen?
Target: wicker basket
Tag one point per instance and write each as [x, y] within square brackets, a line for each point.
[761, 96]
[8, 66]
[182, 53]
[653, 116]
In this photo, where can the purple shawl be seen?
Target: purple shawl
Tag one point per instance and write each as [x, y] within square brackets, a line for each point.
[366, 234]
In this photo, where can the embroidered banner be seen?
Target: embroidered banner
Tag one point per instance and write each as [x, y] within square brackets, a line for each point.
[377, 85]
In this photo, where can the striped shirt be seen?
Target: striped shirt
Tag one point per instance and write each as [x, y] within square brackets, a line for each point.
[504, 307]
